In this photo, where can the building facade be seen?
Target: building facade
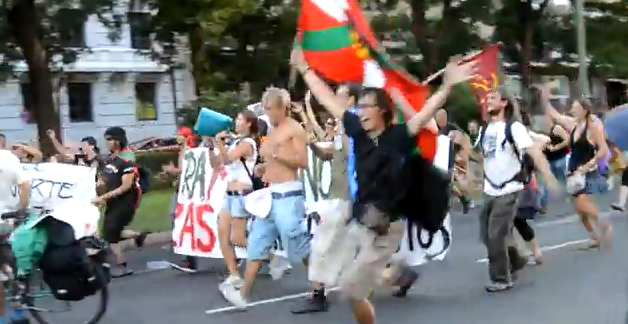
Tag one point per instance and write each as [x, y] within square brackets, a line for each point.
[112, 84]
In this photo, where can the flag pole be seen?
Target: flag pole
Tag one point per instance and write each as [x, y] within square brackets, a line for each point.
[438, 73]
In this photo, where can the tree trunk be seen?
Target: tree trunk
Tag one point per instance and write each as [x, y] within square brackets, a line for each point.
[196, 49]
[438, 37]
[24, 25]
[420, 31]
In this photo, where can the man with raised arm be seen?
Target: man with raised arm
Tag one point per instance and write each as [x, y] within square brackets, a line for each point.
[283, 154]
[376, 233]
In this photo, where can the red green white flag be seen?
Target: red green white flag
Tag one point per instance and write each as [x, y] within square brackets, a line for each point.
[338, 42]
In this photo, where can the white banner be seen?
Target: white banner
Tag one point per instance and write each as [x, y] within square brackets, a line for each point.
[201, 193]
[56, 184]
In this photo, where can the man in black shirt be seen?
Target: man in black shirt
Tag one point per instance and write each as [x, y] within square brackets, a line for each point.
[377, 143]
[118, 177]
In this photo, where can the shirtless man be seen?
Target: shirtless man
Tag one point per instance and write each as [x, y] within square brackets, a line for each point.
[283, 154]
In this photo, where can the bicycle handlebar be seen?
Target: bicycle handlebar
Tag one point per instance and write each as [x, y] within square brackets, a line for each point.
[18, 214]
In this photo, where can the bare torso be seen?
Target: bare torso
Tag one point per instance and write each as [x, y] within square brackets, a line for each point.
[284, 141]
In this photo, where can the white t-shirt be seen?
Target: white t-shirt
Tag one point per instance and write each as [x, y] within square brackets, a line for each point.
[500, 162]
[11, 174]
[237, 172]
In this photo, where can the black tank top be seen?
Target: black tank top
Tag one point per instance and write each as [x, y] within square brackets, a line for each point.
[554, 140]
[582, 151]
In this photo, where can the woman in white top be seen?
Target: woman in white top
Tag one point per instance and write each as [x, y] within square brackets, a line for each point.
[240, 156]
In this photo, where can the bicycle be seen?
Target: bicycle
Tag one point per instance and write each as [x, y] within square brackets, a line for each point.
[22, 287]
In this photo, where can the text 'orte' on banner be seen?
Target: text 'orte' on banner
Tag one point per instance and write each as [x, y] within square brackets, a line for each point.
[202, 190]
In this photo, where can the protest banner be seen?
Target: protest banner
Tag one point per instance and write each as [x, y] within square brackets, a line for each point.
[202, 190]
[56, 184]
[316, 177]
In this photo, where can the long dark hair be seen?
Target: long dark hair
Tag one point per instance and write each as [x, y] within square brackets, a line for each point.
[251, 118]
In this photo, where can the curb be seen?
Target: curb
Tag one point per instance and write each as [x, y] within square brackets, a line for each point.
[152, 239]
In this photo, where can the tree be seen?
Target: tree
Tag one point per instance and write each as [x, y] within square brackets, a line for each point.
[429, 40]
[606, 23]
[202, 23]
[41, 34]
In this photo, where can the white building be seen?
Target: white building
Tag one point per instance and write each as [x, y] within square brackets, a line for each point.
[111, 85]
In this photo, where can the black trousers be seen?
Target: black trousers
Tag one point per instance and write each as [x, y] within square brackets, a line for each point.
[526, 231]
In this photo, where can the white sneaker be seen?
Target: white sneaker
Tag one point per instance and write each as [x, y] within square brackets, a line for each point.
[231, 281]
[278, 266]
[234, 296]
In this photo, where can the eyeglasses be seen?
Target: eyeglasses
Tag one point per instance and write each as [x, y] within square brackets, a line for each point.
[360, 106]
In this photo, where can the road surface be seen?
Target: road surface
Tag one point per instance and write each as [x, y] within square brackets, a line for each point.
[572, 286]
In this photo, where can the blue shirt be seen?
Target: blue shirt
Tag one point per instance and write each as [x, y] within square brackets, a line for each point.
[353, 182]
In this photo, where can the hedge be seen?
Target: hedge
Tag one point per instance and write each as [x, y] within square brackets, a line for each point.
[153, 162]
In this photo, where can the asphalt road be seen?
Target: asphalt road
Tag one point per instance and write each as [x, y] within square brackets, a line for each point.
[572, 286]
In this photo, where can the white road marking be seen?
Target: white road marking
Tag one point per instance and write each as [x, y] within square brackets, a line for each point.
[548, 248]
[572, 219]
[262, 302]
[562, 221]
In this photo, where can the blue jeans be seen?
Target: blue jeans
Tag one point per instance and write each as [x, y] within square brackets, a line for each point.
[559, 170]
[286, 220]
[235, 206]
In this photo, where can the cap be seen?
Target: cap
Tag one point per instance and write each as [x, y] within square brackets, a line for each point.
[90, 140]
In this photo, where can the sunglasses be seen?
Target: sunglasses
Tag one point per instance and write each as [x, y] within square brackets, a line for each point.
[107, 138]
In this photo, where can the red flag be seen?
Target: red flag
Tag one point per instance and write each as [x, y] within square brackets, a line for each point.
[338, 42]
[488, 72]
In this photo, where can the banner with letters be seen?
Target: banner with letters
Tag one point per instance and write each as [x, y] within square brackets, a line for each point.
[202, 190]
[56, 184]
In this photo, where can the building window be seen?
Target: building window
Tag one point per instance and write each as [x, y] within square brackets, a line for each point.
[146, 108]
[140, 30]
[72, 33]
[80, 102]
[28, 104]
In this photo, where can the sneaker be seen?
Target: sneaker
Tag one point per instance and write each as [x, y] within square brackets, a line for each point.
[231, 281]
[278, 266]
[316, 302]
[234, 296]
[187, 266]
[405, 282]
[498, 286]
[120, 271]
[618, 207]
[139, 240]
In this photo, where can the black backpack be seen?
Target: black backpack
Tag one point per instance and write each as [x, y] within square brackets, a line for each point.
[68, 271]
[421, 195]
[527, 164]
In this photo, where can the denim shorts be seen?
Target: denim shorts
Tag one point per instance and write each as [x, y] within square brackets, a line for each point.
[234, 205]
[286, 221]
[594, 184]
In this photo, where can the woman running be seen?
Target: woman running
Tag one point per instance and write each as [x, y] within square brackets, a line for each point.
[588, 147]
[240, 156]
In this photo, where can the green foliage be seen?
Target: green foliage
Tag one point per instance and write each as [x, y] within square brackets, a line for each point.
[60, 28]
[153, 161]
[462, 106]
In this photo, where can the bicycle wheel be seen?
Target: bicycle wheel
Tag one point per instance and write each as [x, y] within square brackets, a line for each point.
[47, 315]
